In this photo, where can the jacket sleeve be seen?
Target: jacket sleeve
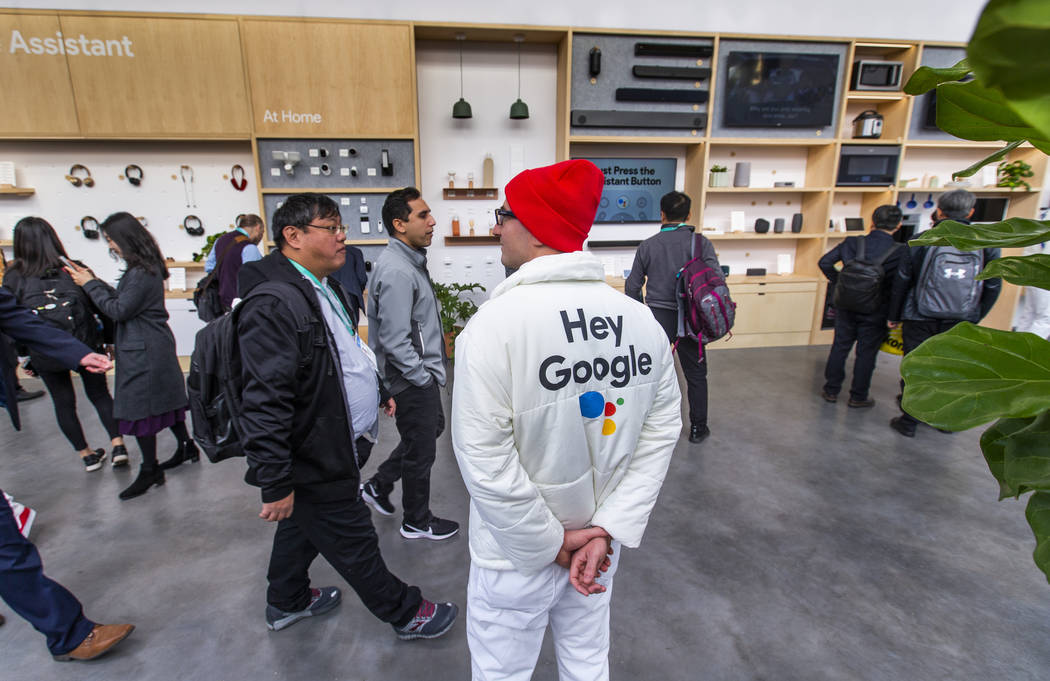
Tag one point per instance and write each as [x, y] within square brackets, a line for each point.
[131, 301]
[992, 287]
[828, 260]
[267, 338]
[902, 283]
[625, 512]
[393, 301]
[28, 329]
[483, 441]
[636, 279]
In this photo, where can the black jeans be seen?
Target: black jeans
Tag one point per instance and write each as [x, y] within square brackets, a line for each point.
[64, 397]
[913, 333]
[342, 532]
[694, 366]
[868, 332]
[420, 421]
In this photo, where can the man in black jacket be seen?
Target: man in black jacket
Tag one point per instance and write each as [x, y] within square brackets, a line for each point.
[656, 265]
[310, 408]
[957, 205]
[867, 330]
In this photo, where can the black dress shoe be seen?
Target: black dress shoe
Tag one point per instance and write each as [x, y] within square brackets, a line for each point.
[147, 477]
[698, 434]
[24, 395]
[187, 451]
[901, 427]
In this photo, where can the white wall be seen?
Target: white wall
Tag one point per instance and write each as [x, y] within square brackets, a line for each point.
[903, 19]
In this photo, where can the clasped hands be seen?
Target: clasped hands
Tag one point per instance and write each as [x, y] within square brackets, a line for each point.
[585, 553]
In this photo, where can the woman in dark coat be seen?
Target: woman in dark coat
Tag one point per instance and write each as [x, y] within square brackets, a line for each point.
[150, 388]
[40, 283]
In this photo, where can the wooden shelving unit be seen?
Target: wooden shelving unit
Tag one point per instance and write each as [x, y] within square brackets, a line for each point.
[483, 240]
[18, 192]
[470, 193]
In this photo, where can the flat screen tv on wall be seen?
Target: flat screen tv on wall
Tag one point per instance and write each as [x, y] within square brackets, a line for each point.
[780, 90]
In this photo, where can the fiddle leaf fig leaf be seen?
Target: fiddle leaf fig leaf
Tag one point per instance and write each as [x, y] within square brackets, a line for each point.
[991, 158]
[926, 78]
[1025, 270]
[994, 442]
[1012, 233]
[1038, 515]
[1010, 52]
[975, 112]
[971, 375]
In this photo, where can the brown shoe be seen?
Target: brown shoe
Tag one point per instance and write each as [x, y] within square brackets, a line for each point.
[861, 404]
[828, 397]
[98, 642]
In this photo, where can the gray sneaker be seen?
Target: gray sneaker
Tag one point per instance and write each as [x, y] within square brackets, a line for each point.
[321, 601]
[430, 621]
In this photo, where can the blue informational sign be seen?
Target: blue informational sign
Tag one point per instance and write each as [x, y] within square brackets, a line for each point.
[633, 188]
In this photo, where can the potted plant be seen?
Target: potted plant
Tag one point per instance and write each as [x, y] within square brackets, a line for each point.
[206, 249]
[1012, 175]
[455, 311]
[719, 176]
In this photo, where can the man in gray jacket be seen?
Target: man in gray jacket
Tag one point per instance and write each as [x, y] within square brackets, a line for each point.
[404, 331]
[656, 265]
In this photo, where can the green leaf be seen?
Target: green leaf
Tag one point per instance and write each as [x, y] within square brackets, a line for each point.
[993, 444]
[926, 78]
[1012, 233]
[971, 375]
[974, 112]
[1025, 270]
[1038, 515]
[1026, 462]
[992, 158]
[1010, 52]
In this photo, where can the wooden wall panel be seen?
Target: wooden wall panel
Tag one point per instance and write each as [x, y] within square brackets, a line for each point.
[357, 79]
[37, 99]
[186, 78]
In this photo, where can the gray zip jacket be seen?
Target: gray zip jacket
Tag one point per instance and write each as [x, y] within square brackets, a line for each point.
[404, 329]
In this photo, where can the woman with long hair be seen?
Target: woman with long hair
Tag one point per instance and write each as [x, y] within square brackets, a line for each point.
[39, 281]
[150, 388]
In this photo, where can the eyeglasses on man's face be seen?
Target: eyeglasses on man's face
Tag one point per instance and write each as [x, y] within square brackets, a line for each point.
[331, 229]
[503, 214]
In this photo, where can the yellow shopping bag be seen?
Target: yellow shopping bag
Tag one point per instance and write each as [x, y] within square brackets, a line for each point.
[893, 344]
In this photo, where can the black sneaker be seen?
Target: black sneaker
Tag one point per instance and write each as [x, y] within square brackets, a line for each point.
[93, 462]
[437, 528]
[377, 500]
[119, 456]
[321, 601]
[430, 621]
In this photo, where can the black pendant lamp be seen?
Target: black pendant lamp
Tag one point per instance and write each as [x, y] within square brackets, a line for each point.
[519, 109]
[461, 109]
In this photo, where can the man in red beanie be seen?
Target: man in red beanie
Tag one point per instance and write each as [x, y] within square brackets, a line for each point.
[565, 415]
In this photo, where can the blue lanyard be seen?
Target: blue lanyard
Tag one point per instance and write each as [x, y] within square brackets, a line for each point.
[329, 295]
[673, 228]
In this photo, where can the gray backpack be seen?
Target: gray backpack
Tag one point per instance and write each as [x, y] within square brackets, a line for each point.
[948, 287]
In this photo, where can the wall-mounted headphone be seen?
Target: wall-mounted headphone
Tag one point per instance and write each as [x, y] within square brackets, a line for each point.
[89, 226]
[87, 180]
[240, 184]
[134, 174]
[193, 225]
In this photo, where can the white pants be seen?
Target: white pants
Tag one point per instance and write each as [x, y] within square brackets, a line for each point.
[507, 615]
[1033, 312]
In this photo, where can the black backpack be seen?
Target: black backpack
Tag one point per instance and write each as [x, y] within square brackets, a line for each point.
[61, 303]
[206, 296]
[948, 287]
[859, 286]
[214, 383]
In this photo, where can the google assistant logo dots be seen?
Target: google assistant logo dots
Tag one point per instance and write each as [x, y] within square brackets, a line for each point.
[593, 405]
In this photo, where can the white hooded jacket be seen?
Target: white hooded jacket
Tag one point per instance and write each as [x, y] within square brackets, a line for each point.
[566, 411]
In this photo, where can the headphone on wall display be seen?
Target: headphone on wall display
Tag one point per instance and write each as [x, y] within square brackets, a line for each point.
[193, 225]
[134, 174]
[89, 226]
[238, 184]
[87, 180]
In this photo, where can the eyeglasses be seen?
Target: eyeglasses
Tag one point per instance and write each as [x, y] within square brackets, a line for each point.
[503, 214]
[331, 229]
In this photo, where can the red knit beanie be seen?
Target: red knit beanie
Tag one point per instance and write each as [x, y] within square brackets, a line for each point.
[557, 203]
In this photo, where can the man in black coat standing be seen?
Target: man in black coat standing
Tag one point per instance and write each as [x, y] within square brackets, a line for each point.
[43, 602]
[866, 329]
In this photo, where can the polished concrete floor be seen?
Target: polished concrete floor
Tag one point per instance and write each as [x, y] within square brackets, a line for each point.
[803, 541]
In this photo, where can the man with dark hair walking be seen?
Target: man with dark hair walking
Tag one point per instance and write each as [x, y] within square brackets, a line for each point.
[865, 328]
[404, 330]
[656, 265]
[309, 416]
[233, 249]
